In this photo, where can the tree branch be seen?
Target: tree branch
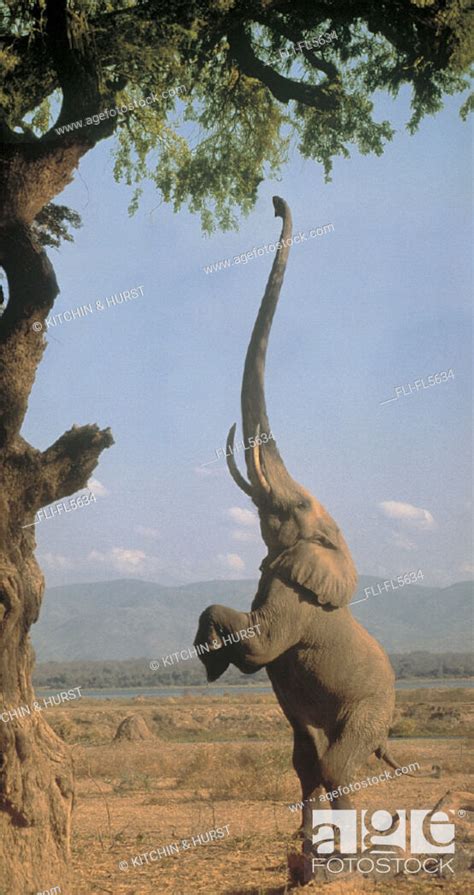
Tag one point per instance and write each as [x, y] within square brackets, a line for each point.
[67, 465]
[66, 57]
[323, 65]
[71, 44]
[35, 66]
[33, 69]
[295, 37]
[31, 174]
[283, 89]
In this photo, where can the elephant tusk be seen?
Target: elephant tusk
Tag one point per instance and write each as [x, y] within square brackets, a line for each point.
[232, 465]
[257, 465]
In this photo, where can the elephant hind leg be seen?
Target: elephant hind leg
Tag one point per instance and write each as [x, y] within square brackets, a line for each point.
[359, 737]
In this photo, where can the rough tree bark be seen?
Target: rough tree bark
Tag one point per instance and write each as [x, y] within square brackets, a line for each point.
[36, 777]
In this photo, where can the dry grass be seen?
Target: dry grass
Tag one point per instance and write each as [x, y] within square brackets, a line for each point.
[200, 772]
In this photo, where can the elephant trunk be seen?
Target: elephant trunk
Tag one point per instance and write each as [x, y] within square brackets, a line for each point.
[265, 467]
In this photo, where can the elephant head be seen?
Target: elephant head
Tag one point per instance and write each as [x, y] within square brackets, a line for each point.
[305, 546]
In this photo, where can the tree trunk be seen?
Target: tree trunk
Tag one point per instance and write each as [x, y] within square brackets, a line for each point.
[36, 777]
[36, 774]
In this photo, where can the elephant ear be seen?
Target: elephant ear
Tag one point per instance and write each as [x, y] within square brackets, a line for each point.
[320, 566]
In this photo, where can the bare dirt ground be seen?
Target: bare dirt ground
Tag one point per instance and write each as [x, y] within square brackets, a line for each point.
[213, 761]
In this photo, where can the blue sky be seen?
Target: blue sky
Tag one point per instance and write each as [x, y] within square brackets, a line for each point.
[380, 302]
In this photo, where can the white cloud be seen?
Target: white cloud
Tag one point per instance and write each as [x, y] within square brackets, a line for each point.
[416, 517]
[127, 560]
[147, 532]
[97, 488]
[400, 540]
[203, 470]
[97, 556]
[242, 516]
[128, 557]
[245, 537]
[247, 522]
[232, 561]
[55, 561]
[207, 470]
[120, 558]
[468, 567]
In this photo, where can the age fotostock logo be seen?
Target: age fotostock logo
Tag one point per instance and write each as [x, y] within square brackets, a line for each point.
[418, 832]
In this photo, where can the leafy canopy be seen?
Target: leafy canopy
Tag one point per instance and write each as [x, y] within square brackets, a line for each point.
[244, 94]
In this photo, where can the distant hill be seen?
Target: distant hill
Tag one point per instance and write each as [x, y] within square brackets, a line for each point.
[129, 618]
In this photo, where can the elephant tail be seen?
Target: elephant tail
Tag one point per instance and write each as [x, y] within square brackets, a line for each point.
[383, 753]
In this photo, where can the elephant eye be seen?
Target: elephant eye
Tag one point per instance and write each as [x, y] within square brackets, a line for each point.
[324, 542]
[302, 505]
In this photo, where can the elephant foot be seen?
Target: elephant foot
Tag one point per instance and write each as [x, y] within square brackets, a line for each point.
[307, 866]
[303, 868]
[299, 835]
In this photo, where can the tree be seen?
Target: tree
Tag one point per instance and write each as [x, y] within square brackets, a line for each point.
[248, 80]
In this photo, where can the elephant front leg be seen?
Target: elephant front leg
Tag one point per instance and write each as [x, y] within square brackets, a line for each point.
[214, 652]
[248, 640]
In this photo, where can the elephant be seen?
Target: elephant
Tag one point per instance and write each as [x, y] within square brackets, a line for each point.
[333, 681]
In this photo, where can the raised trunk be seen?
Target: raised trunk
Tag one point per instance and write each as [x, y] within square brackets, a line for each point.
[254, 411]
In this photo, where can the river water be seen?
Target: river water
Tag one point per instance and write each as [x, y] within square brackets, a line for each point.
[216, 690]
